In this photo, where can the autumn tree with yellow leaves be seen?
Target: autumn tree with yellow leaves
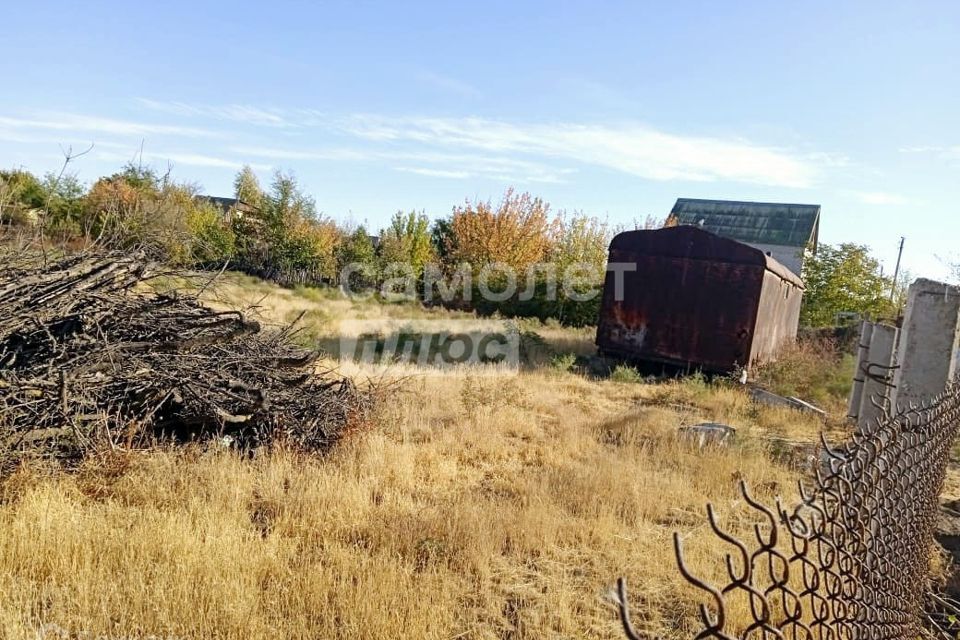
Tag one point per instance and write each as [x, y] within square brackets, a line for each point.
[517, 232]
[543, 251]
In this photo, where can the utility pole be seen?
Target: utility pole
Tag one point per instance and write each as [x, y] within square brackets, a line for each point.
[896, 271]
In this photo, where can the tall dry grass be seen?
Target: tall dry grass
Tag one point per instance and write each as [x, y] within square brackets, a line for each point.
[815, 369]
[477, 507]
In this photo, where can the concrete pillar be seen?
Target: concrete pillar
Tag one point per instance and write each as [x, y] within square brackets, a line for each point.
[928, 342]
[863, 349]
[878, 372]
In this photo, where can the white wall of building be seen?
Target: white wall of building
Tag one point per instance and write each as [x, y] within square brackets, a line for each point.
[790, 257]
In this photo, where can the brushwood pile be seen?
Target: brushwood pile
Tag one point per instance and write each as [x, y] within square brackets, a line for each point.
[92, 357]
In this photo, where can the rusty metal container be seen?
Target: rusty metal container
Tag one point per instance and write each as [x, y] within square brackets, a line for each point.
[691, 299]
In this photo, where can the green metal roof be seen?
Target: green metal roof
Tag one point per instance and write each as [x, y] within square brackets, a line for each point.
[789, 225]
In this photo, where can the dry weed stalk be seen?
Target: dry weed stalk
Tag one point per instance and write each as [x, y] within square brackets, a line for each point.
[88, 359]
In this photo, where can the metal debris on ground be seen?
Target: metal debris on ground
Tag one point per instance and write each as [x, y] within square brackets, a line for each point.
[769, 398]
[89, 359]
[850, 560]
[708, 433]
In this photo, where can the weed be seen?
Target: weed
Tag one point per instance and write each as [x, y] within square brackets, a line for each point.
[625, 373]
[814, 369]
[562, 363]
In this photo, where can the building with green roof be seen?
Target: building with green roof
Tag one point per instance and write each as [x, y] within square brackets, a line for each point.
[782, 231]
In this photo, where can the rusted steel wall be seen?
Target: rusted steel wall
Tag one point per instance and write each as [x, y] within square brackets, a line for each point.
[694, 300]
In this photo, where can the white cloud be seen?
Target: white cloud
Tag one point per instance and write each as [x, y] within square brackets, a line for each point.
[73, 123]
[233, 112]
[190, 159]
[435, 163]
[493, 166]
[630, 148]
[943, 152]
[879, 197]
[279, 153]
[435, 173]
[485, 148]
[920, 149]
[633, 149]
[199, 160]
[829, 160]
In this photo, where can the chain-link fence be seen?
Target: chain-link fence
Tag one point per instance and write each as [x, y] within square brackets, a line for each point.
[851, 560]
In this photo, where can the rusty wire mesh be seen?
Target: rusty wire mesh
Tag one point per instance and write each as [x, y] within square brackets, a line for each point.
[851, 559]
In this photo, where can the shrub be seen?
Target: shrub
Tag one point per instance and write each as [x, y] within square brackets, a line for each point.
[625, 373]
[212, 237]
[813, 369]
[562, 363]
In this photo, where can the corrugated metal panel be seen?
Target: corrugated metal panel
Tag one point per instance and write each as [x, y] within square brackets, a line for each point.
[791, 225]
[694, 299]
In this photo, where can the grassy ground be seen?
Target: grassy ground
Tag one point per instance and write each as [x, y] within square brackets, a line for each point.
[475, 506]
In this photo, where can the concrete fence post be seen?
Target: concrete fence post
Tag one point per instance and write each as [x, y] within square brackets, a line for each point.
[863, 350]
[928, 343]
[878, 373]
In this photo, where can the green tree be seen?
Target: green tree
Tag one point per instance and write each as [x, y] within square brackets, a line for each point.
[23, 188]
[359, 255]
[287, 235]
[408, 241]
[443, 240]
[579, 254]
[246, 187]
[142, 178]
[286, 204]
[843, 278]
[20, 193]
[64, 204]
[581, 239]
[212, 238]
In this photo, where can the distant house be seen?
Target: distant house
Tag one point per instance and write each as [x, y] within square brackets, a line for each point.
[230, 207]
[782, 231]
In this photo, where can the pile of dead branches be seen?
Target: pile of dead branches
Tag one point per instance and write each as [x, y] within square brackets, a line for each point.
[91, 358]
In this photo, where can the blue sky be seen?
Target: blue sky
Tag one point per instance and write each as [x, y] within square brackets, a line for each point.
[613, 108]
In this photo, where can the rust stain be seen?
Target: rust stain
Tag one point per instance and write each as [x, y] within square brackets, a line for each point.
[697, 300]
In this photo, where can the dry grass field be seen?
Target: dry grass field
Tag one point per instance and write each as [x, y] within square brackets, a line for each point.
[474, 506]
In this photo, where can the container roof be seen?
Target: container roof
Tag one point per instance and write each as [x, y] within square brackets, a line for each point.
[789, 225]
[694, 243]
